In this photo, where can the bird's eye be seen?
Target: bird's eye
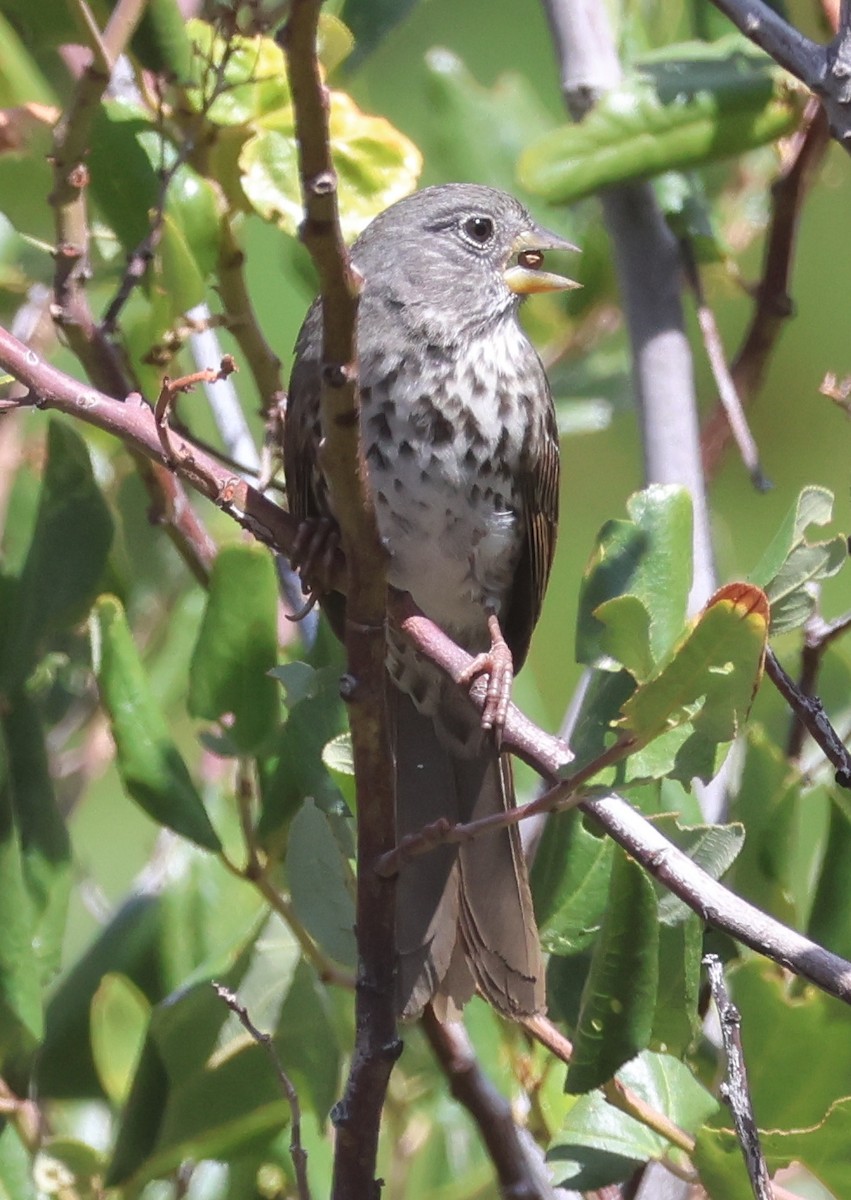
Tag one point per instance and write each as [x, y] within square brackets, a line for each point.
[479, 230]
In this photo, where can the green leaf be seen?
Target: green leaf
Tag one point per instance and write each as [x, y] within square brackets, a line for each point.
[66, 556]
[648, 559]
[370, 21]
[247, 75]
[21, 1022]
[619, 998]
[464, 115]
[148, 760]
[708, 682]
[21, 81]
[830, 919]
[766, 803]
[703, 104]
[318, 877]
[119, 1017]
[376, 165]
[570, 885]
[599, 1144]
[295, 770]
[237, 647]
[792, 564]
[788, 1032]
[16, 1170]
[44, 842]
[714, 848]
[128, 945]
[676, 1021]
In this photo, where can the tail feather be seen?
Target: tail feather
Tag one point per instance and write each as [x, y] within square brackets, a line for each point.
[464, 914]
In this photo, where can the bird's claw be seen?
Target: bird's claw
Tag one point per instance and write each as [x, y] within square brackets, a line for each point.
[497, 663]
[313, 553]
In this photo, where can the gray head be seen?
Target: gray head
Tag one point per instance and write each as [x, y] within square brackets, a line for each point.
[453, 257]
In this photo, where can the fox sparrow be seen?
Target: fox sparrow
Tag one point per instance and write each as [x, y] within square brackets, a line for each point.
[459, 434]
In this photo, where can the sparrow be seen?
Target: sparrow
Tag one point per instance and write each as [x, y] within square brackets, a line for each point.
[459, 435]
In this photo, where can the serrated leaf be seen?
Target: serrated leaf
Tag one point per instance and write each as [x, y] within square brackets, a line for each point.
[708, 682]
[714, 848]
[708, 103]
[65, 559]
[648, 559]
[338, 755]
[318, 879]
[599, 1144]
[150, 765]
[119, 1018]
[237, 647]
[619, 997]
[792, 565]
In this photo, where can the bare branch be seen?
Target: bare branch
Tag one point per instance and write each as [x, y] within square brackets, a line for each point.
[735, 1090]
[357, 1117]
[809, 710]
[298, 1152]
[520, 1170]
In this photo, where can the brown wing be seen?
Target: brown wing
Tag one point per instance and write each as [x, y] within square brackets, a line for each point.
[301, 422]
[539, 498]
[306, 493]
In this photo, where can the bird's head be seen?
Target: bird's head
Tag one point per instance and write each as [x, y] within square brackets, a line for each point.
[457, 255]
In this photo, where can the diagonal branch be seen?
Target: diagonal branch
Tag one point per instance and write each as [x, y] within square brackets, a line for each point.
[133, 422]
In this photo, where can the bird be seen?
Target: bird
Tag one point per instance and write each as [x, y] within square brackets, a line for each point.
[458, 432]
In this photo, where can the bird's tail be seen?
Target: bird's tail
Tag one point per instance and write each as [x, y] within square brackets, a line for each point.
[464, 913]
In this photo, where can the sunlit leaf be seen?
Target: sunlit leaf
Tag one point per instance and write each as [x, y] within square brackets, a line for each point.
[151, 767]
[708, 103]
[599, 1144]
[792, 564]
[119, 1018]
[376, 165]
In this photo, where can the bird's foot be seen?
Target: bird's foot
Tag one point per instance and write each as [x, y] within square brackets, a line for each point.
[313, 555]
[498, 664]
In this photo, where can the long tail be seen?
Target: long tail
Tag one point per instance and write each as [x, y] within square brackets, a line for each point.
[464, 913]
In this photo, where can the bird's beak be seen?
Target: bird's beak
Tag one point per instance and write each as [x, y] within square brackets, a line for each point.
[523, 273]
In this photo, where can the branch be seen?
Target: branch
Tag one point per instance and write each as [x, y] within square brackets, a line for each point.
[648, 266]
[810, 712]
[519, 1168]
[773, 305]
[357, 1118]
[824, 69]
[299, 1154]
[735, 1091]
[134, 423]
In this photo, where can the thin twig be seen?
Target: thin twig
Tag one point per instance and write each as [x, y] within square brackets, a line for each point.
[297, 1151]
[819, 635]
[734, 1090]
[730, 400]
[804, 153]
[521, 1172]
[810, 712]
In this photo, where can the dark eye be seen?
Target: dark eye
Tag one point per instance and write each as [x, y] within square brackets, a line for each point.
[479, 230]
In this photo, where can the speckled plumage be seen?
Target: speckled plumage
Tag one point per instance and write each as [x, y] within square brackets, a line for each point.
[459, 436]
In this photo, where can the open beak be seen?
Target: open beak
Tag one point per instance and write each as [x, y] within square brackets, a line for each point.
[524, 274]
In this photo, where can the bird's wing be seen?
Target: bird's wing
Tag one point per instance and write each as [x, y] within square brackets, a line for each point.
[301, 422]
[539, 499]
